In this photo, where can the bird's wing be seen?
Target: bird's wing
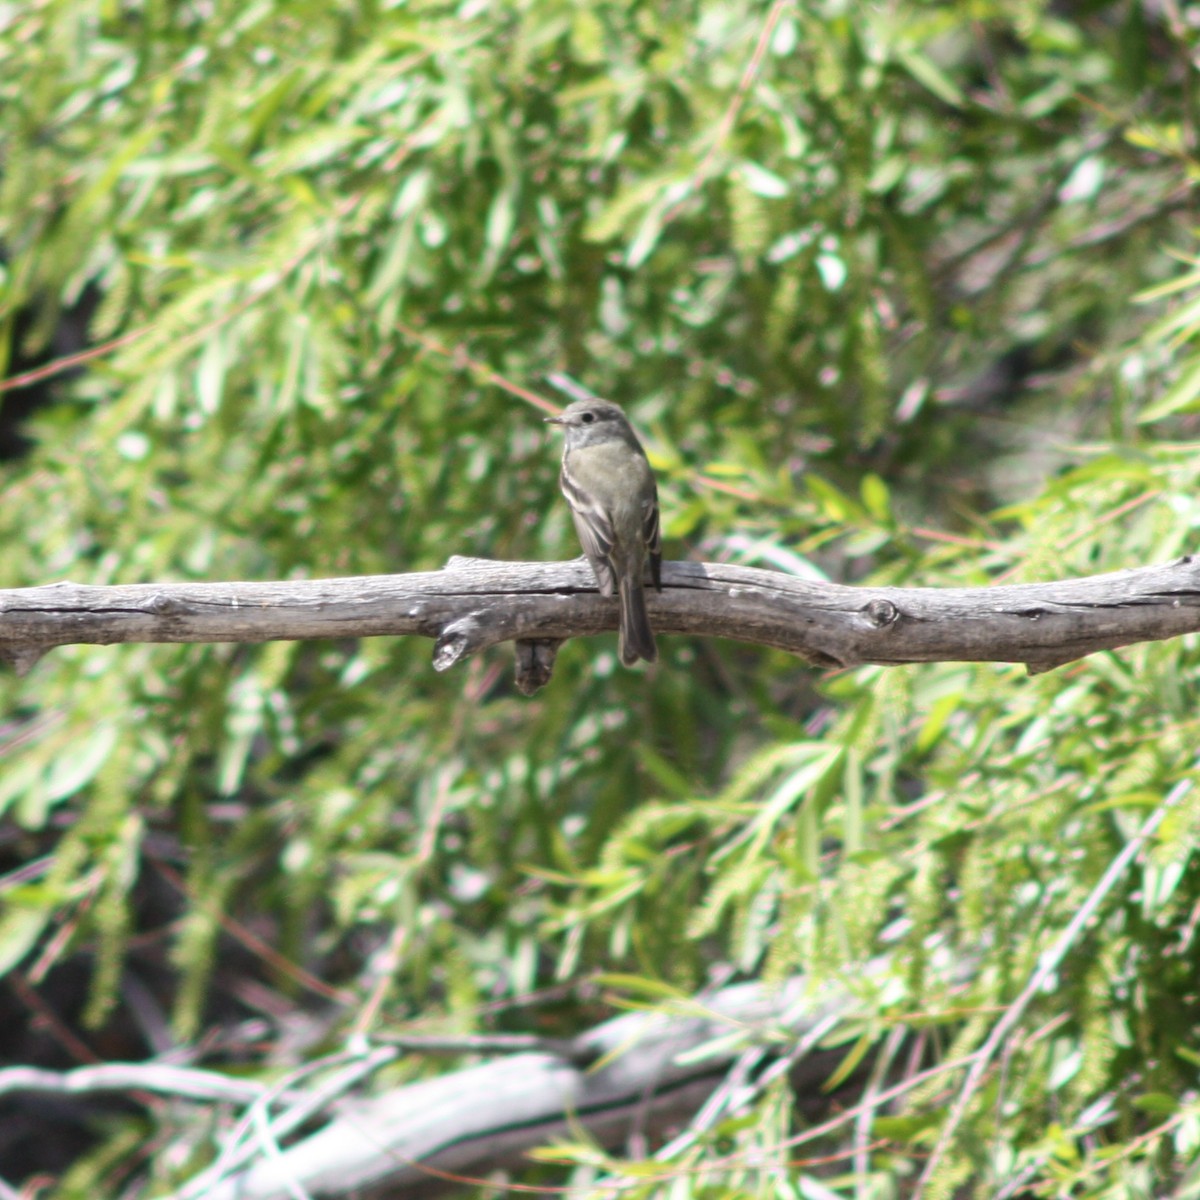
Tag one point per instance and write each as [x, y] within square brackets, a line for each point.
[595, 531]
[653, 538]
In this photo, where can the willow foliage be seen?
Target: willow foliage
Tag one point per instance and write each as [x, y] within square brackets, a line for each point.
[867, 277]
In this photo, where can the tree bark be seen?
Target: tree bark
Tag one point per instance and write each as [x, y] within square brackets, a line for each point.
[641, 1075]
[476, 603]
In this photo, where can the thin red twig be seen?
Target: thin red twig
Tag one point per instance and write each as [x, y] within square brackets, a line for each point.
[255, 944]
[51, 1021]
[69, 361]
[461, 358]
[730, 116]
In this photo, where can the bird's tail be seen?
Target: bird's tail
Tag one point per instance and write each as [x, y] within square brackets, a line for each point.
[637, 638]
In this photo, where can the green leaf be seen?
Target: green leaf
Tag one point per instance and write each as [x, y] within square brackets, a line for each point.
[1182, 396]
[73, 769]
[930, 76]
[876, 498]
[1158, 1103]
[20, 929]
[760, 181]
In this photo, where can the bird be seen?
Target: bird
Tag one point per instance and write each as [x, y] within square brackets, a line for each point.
[610, 489]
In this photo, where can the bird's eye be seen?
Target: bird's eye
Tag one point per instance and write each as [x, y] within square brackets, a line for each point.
[587, 418]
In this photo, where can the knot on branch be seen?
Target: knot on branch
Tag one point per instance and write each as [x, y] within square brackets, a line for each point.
[881, 613]
[162, 605]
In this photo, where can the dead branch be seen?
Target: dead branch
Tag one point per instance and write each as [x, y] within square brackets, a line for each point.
[650, 1072]
[476, 603]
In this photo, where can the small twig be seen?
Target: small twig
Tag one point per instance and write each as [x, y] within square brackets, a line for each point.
[732, 1096]
[862, 1125]
[488, 1043]
[1024, 223]
[736, 1093]
[50, 1020]
[70, 361]
[816, 1132]
[271, 1150]
[730, 116]
[460, 358]
[256, 293]
[1107, 231]
[255, 944]
[803, 1047]
[238, 1149]
[391, 959]
[570, 387]
[186, 1082]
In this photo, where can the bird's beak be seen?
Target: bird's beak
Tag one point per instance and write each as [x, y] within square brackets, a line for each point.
[555, 421]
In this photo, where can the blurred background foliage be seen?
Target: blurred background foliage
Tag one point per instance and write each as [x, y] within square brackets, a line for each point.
[896, 292]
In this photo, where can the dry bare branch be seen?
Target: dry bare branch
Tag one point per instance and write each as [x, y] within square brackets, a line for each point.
[650, 1071]
[476, 603]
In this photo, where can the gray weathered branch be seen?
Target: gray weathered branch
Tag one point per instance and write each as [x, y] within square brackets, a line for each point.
[476, 603]
[649, 1072]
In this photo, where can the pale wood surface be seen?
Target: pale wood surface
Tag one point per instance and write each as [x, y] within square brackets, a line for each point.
[476, 603]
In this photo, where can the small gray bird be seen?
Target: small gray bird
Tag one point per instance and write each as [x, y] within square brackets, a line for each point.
[614, 504]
